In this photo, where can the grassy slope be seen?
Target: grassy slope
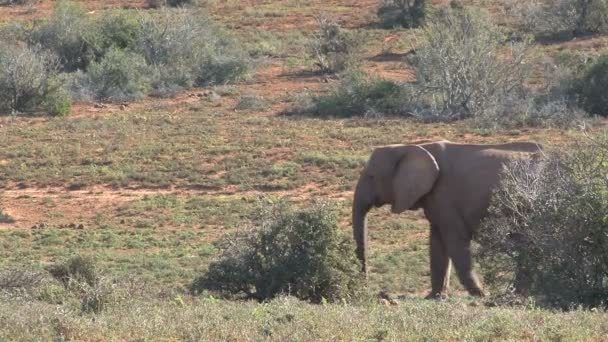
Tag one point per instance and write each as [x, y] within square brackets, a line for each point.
[155, 183]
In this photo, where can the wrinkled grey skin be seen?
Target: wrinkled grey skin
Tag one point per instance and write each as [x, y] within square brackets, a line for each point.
[451, 182]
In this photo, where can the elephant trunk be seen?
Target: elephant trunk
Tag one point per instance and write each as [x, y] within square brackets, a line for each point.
[361, 205]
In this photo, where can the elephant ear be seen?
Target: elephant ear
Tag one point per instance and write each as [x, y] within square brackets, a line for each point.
[414, 177]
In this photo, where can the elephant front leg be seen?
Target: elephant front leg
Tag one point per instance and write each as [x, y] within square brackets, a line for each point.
[440, 265]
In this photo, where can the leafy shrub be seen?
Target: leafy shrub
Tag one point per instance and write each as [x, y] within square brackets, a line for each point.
[295, 252]
[78, 268]
[358, 95]
[592, 87]
[115, 29]
[561, 17]
[331, 47]
[65, 34]
[406, 13]
[459, 68]
[118, 76]
[547, 229]
[29, 81]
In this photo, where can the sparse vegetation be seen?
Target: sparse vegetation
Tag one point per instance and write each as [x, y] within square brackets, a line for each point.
[293, 252]
[547, 234]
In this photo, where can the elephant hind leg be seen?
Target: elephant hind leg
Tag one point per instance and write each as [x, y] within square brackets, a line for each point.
[459, 250]
[440, 265]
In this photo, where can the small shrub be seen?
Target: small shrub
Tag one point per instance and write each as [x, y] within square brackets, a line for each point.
[19, 279]
[5, 218]
[251, 102]
[547, 234]
[78, 268]
[18, 2]
[172, 3]
[592, 87]
[359, 95]
[459, 69]
[118, 76]
[29, 81]
[185, 51]
[331, 47]
[406, 13]
[295, 252]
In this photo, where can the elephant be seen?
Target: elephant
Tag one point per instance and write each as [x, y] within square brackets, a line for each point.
[451, 182]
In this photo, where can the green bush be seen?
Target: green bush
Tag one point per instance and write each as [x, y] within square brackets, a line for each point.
[186, 50]
[29, 81]
[592, 87]
[547, 230]
[118, 76]
[115, 29]
[358, 95]
[294, 252]
[331, 47]
[406, 13]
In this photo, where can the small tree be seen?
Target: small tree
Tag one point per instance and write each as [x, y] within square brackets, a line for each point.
[461, 68]
[547, 230]
[406, 13]
[331, 47]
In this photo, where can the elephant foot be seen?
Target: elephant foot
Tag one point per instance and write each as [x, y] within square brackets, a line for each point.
[477, 292]
[437, 296]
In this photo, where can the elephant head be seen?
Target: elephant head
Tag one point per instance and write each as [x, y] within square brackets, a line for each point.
[399, 175]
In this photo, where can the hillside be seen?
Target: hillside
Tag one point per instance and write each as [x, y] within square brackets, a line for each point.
[147, 186]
